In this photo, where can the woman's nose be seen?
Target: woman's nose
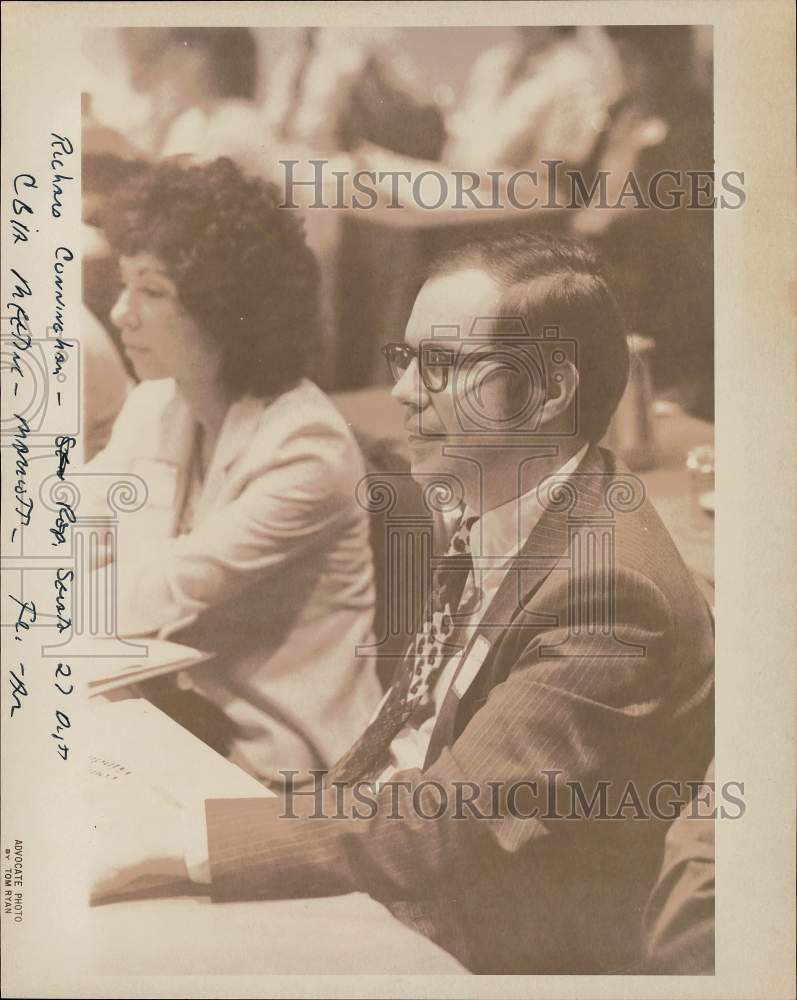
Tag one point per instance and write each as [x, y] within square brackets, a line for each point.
[122, 314]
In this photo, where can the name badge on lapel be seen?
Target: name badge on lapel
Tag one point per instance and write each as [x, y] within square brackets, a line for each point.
[477, 654]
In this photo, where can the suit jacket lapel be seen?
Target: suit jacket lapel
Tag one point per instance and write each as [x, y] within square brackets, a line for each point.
[524, 576]
[239, 425]
[171, 457]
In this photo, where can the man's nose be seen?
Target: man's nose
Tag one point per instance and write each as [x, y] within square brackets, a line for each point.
[122, 313]
[410, 388]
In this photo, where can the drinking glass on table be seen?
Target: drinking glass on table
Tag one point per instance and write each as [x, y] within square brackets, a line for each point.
[700, 462]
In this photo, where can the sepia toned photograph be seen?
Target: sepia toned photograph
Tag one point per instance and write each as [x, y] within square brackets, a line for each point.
[359, 503]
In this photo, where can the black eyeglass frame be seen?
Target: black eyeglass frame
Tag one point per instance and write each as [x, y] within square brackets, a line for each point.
[430, 354]
[444, 358]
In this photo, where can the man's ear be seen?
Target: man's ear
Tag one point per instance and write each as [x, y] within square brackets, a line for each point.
[561, 394]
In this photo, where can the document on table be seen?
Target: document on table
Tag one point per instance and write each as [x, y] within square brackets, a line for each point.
[136, 744]
[105, 674]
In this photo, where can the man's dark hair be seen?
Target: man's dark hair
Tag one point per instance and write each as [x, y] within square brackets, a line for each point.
[549, 281]
[241, 264]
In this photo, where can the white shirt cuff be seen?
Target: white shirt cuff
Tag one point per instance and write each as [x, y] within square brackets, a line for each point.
[195, 839]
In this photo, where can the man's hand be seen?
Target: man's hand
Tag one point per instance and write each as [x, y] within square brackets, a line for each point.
[136, 844]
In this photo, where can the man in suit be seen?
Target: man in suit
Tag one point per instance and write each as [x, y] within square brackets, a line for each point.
[511, 794]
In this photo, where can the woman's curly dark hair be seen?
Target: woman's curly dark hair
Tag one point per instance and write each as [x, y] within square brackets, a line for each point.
[241, 264]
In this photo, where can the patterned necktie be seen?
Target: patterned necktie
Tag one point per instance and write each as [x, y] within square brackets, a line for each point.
[421, 665]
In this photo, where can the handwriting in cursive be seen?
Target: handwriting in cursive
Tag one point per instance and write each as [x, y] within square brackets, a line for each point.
[63, 444]
[21, 230]
[63, 578]
[19, 320]
[64, 670]
[18, 689]
[25, 608]
[62, 256]
[62, 720]
[63, 519]
[61, 147]
[24, 502]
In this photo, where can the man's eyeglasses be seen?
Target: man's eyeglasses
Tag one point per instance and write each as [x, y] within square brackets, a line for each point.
[433, 363]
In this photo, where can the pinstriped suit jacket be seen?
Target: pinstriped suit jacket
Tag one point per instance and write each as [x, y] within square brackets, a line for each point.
[557, 700]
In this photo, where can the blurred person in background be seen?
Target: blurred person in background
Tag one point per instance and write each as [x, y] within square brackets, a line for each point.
[174, 90]
[546, 95]
[549, 94]
[100, 139]
[332, 92]
[204, 87]
[333, 89]
[250, 544]
[117, 110]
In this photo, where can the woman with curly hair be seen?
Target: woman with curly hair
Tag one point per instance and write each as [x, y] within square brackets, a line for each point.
[251, 543]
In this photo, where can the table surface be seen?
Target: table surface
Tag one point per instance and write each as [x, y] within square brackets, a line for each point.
[157, 933]
[191, 936]
[373, 412]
